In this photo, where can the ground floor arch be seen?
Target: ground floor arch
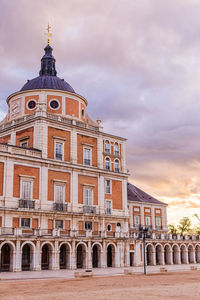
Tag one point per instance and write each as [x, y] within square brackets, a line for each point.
[96, 256]
[183, 253]
[6, 262]
[81, 256]
[159, 253]
[167, 255]
[191, 254]
[64, 256]
[197, 254]
[27, 257]
[110, 256]
[176, 254]
[46, 260]
[150, 255]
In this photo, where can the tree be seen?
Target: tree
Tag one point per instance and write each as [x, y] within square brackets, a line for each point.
[172, 229]
[184, 225]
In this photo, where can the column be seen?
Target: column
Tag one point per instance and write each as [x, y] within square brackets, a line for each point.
[13, 138]
[124, 196]
[89, 256]
[100, 152]
[44, 187]
[74, 190]
[162, 257]
[38, 254]
[73, 256]
[154, 258]
[123, 157]
[55, 257]
[8, 189]
[73, 146]
[18, 257]
[101, 194]
[127, 255]
[104, 256]
[117, 256]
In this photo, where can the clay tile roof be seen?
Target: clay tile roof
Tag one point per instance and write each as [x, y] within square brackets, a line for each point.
[137, 195]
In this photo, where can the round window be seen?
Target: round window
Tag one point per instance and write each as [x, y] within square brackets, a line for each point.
[109, 228]
[31, 104]
[54, 104]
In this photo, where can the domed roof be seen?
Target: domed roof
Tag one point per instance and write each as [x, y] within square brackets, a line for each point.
[47, 82]
[47, 78]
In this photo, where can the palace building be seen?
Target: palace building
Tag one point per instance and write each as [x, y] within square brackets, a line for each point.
[65, 200]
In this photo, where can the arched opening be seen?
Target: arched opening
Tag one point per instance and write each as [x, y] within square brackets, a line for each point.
[190, 255]
[175, 255]
[149, 255]
[64, 257]
[197, 254]
[131, 259]
[46, 257]
[27, 258]
[6, 258]
[81, 257]
[183, 254]
[158, 255]
[167, 255]
[110, 256]
[96, 256]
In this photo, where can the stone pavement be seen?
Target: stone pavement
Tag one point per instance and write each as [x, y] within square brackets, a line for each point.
[48, 274]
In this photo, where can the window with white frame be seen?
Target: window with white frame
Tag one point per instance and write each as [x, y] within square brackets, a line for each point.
[148, 220]
[26, 189]
[136, 220]
[59, 224]
[107, 147]
[88, 225]
[116, 165]
[58, 150]
[108, 207]
[158, 221]
[109, 227]
[25, 222]
[59, 193]
[88, 196]
[107, 186]
[116, 149]
[87, 156]
[107, 163]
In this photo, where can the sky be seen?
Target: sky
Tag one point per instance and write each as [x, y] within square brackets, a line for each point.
[137, 62]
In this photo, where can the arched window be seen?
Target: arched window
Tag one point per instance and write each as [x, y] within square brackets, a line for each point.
[107, 147]
[116, 165]
[107, 163]
[116, 149]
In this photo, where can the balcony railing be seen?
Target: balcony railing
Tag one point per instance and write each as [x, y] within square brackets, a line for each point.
[107, 167]
[87, 162]
[89, 209]
[60, 206]
[158, 227]
[117, 170]
[108, 211]
[59, 156]
[26, 204]
[116, 153]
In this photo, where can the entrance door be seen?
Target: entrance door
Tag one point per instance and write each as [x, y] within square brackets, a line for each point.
[5, 258]
[26, 258]
[79, 257]
[95, 257]
[63, 262]
[109, 256]
[45, 257]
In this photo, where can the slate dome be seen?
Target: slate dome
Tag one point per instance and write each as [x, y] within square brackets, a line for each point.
[47, 78]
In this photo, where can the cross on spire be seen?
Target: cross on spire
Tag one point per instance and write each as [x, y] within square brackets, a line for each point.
[49, 34]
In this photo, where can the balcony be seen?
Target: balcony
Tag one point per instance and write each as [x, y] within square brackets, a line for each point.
[108, 211]
[26, 204]
[60, 206]
[107, 167]
[117, 170]
[59, 156]
[87, 162]
[89, 209]
[158, 227]
[116, 153]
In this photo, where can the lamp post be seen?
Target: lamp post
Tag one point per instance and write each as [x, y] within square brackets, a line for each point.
[143, 235]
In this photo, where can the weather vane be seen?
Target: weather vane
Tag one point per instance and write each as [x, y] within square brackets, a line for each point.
[49, 34]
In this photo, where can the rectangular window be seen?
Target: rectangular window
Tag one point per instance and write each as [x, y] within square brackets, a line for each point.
[88, 197]
[88, 225]
[25, 222]
[107, 186]
[58, 151]
[59, 193]
[148, 220]
[136, 220]
[59, 224]
[108, 207]
[107, 148]
[24, 144]
[158, 221]
[26, 193]
[116, 150]
[86, 156]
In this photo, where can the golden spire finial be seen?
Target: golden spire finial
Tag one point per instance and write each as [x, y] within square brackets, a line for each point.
[49, 34]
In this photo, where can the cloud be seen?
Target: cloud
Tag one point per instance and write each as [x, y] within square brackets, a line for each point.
[137, 63]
